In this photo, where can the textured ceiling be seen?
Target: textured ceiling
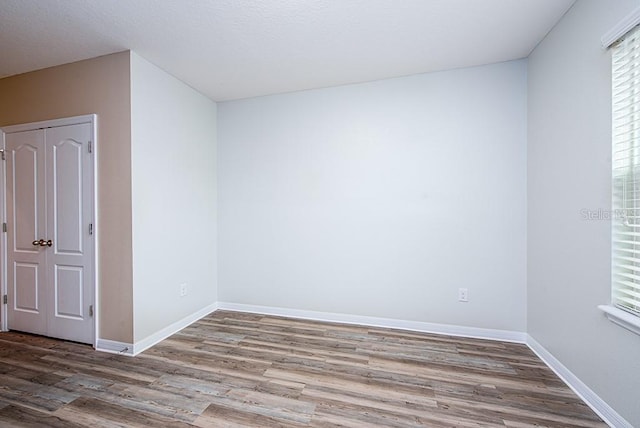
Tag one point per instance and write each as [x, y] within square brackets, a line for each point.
[230, 49]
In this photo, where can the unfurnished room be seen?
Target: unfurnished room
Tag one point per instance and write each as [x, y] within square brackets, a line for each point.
[319, 213]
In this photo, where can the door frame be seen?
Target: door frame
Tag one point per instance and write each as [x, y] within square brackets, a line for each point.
[91, 119]
[3, 240]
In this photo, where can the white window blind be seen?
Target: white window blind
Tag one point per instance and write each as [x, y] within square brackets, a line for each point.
[626, 173]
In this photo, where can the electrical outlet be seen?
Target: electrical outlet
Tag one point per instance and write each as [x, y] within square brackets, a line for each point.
[463, 295]
[183, 289]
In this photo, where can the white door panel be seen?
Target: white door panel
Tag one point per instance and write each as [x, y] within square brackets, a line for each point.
[69, 213]
[26, 262]
[50, 204]
[27, 194]
[25, 287]
[69, 291]
[66, 192]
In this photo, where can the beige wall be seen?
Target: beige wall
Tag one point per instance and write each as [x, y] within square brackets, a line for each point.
[102, 86]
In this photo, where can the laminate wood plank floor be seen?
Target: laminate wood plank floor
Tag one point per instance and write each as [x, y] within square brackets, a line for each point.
[235, 369]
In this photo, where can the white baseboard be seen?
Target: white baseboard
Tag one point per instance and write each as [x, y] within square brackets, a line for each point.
[114, 347]
[597, 404]
[159, 336]
[425, 327]
[133, 349]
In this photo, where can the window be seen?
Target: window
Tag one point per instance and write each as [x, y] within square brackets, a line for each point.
[625, 289]
[626, 173]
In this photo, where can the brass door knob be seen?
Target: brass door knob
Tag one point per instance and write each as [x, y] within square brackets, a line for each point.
[43, 243]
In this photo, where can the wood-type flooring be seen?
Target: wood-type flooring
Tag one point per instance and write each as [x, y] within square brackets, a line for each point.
[236, 369]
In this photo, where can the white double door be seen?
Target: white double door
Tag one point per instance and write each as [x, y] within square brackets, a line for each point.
[50, 261]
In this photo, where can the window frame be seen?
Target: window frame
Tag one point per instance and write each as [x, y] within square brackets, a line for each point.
[625, 170]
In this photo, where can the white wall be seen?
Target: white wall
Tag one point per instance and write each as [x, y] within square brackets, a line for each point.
[380, 199]
[173, 174]
[569, 169]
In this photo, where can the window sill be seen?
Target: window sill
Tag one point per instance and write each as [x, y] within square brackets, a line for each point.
[622, 318]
